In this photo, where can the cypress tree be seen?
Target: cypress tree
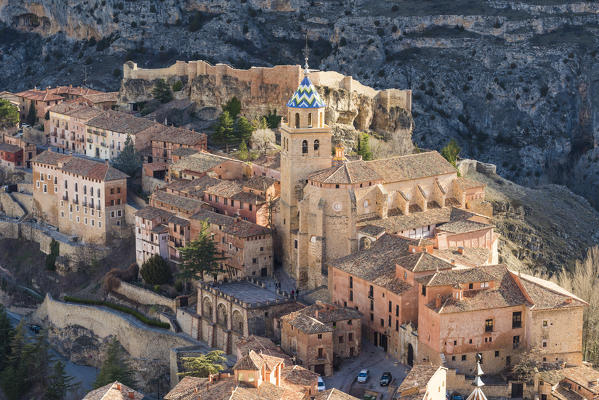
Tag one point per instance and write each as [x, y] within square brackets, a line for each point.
[114, 367]
[128, 160]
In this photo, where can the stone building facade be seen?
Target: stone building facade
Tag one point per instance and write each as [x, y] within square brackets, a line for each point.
[170, 139]
[81, 197]
[226, 312]
[328, 206]
[318, 334]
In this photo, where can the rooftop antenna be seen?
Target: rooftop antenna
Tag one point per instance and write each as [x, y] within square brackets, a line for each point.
[306, 54]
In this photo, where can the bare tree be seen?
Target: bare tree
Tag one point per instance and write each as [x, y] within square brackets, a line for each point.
[263, 139]
[583, 281]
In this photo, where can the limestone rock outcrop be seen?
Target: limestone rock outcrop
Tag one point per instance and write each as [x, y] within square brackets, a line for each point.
[514, 82]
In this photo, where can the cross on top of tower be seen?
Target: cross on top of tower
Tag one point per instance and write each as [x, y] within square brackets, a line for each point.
[306, 55]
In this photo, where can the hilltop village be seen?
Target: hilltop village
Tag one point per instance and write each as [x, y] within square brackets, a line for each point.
[320, 273]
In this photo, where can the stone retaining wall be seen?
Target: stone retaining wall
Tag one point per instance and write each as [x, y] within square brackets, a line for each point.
[145, 296]
[140, 341]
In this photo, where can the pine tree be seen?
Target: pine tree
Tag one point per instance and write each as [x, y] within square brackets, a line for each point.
[162, 91]
[13, 378]
[128, 159]
[200, 256]
[243, 130]
[156, 271]
[6, 335]
[9, 114]
[223, 130]
[59, 383]
[204, 365]
[31, 116]
[233, 107]
[364, 147]
[114, 367]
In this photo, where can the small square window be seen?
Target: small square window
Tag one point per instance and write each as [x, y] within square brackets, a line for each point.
[319, 336]
[463, 357]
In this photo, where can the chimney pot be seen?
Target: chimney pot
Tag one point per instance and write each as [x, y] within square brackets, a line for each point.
[118, 386]
[131, 394]
[460, 250]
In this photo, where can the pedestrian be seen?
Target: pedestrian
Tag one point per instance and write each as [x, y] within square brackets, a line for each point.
[292, 293]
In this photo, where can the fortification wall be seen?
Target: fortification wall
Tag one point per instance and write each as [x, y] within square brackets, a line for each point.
[25, 200]
[139, 340]
[351, 105]
[10, 207]
[144, 296]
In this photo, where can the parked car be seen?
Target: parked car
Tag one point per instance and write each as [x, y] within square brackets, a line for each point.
[363, 376]
[386, 379]
[34, 328]
[457, 396]
[321, 386]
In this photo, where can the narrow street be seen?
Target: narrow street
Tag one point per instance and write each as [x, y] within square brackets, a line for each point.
[377, 362]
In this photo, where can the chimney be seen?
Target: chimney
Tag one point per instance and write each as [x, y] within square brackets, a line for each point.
[460, 250]
[131, 394]
[118, 386]
[568, 300]
[438, 301]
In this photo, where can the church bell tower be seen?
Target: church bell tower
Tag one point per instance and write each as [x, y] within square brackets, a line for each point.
[305, 149]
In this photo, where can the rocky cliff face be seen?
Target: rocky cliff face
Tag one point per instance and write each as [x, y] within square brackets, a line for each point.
[514, 82]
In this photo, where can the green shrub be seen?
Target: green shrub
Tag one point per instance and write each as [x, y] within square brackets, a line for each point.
[148, 321]
[177, 86]
[156, 271]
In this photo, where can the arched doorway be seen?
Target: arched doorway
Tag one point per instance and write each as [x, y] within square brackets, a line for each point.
[410, 355]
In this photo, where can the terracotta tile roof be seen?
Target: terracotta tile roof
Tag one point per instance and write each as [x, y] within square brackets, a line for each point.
[319, 318]
[460, 276]
[194, 187]
[186, 388]
[199, 162]
[184, 203]
[224, 189]
[114, 391]
[259, 182]
[92, 169]
[346, 173]
[583, 376]
[39, 95]
[183, 152]
[507, 293]
[418, 376]
[436, 216]
[371, 230]
[298, 375]
[548, 295]
[102, 97]
[422, 262]
[412, 166]
[182, 136]
[120, 122]
[465, 183]
[377, 264]
[50, 158]
[334, 394]
[565, 393]
[78, 165]
[178, 221]
[231, 225]
[251, 361]
[306, 323]
[261, 345]
[160, 228]
[472, 256]
[74, 90]
[9, 148]
[249, 198]
[463, 226]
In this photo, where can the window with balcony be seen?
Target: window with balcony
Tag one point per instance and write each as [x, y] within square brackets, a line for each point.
[371, 291]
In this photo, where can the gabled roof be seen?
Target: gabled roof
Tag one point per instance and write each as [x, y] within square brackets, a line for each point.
[346, 173]
[418, 377]
[114, 391]
[305, 96]
[150, 212]
[78, 165]
[422, 262]
[231, 225]
[412, 166]
[120, 122]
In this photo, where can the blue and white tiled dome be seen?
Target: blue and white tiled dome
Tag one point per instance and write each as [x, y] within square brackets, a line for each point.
[306, 96]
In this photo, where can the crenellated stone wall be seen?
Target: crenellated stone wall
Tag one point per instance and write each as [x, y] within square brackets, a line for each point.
[351, 106]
